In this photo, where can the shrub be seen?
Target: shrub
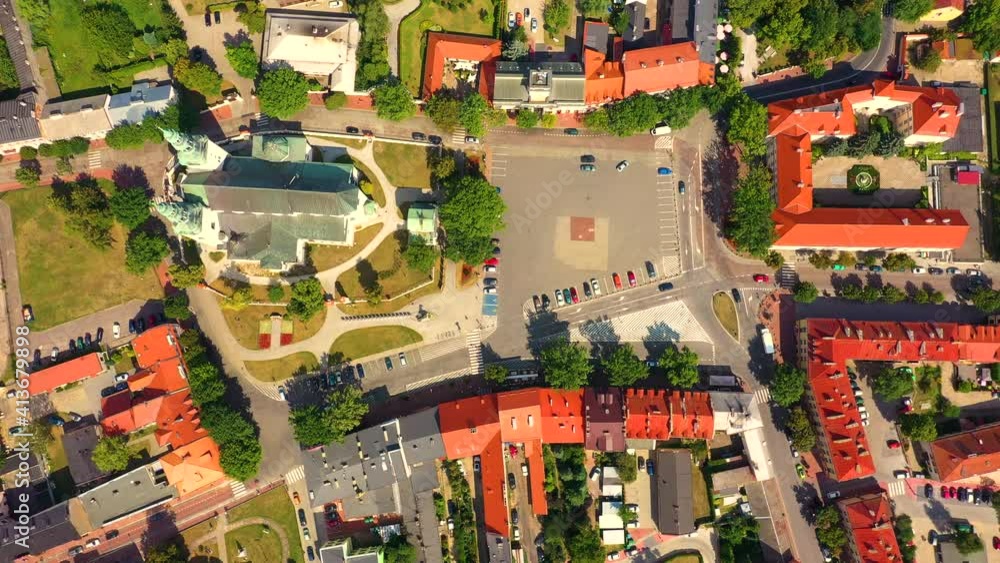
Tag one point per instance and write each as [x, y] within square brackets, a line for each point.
[29, 153]
[335, 100]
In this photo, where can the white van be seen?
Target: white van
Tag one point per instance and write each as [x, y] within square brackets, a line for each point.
[660, 130]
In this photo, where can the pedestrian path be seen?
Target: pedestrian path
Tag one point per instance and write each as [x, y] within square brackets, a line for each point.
[442, 348]
[762, 396]
[458, 136]
[94, 159]
[473, 341]
[239, 489]
[897, 488]
[670, 322]
[787, 277]
[295, 475]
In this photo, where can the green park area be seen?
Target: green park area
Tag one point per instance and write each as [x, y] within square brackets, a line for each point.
[364, 342]
[384, 272]
[325, 256]
[245, 323]
[275, 506]
[476, 18]
[255, 542]
[283, 368]
[62, 276]
[404, 165]
[993, 113]
[863, 179]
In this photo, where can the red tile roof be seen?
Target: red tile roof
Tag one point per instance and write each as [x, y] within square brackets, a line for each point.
[178, 421]
[117, 413]
[957, 4]
[869, 520]
[832, 342]
[562, 416]
[828, 113]
[793, 152]
[870, 227]
[444, 46]
[494, 482]
[662, 415]
[536, 478]
[520, 415]
[605, 81]
[164, 377]
[665, 67]
[468, 425]
[968, 454]
[77, 369]
[157, 344]
[193, 467]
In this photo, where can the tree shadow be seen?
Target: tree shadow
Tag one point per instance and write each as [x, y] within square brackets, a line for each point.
[127, 176]
[231, 40]
[601, 335]
[659, 335]
[543, 327]
[367, 275]
[720, 171]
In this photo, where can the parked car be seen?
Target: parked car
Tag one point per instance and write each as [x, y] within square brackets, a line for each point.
[631, 278]
[121, 377]
[55, 353]
[520, 18]
[617, 281]
[681, 188]
[27, 314]
[650, 270]
[471, 140]
[650, 467]
[595, 286]
[434, 139]
[490, 282]
[511, 481]
[418, 136]
[893, 444]
[586, 290]
[944, 492]
[801, 470]
[537, 302]
[489, 290]
[876, 269]
[96, 541]
[78, 549]
[302, 517]
[111, 535]
[974, 273]
[663, 171]
[622, 165]
[641, 461]
[559, 298]
[595, 473]
[571, 131]
[534, 24]
[402, 359]
[574, 295]
[208, 18]
[116, 330]
[353, 130]
[567, 296]
[932, 537]
[665, 286]
[736, 295]
[310, 553]
[218, 17]
[961, 494]
[545, 301]
[935, 271]
[388, 363]
[475, 464]
[360, 369]
[587, 168]
[281, 394]
[513, 516]
[953, 271]
[140, 324]
[56, 420]
[919, 270]
[131, 326]
[511, 22]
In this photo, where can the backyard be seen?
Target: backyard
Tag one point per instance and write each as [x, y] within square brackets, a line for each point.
[73, 54]
[48, 258]
[325, 256]
[413, 29]
[384, 267]
[404, 165]
[276, 506]
[364, 342]
[283, 368]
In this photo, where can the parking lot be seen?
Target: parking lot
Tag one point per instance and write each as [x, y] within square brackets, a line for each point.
[520, 501]
[534, 8]
[566, 226]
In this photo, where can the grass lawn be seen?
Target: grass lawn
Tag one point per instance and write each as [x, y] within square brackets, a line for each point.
[245, 324]
[927, 388]
[684, 558]
[384, 265]
[413, 28]
[275, 505]
[283, 368]
[363, 308]
[59, 467]
[260, 543]
[48, 259]
[209, 550]
[67, 40]
[375, 192]
[364, 342]
[725, 311]
[325, 256]
[699, 489]
[404, 165]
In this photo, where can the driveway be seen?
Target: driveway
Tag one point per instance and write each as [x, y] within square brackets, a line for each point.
[396, 12]
[213, 41]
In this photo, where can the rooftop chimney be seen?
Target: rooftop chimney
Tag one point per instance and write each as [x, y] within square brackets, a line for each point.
[659, 62]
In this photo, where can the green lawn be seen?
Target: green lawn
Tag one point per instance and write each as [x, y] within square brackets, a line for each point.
[68, 43]
[245, 324]
[404, 165]
[725, 311]
[283, 368]
[275, 505]
[385, 264]
[259, 543]
[52, 265]
[699, 493]
[207, 551]
[325, 256]
[413, 28]
[364, 342]
[683, 558]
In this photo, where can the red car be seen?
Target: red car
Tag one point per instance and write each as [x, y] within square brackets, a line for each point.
[513, 450]
[761, 278]
[618, 280]
[996, 543]
[631, 279]
[893, 444]
[492, 262]
[944, 492]
[520, 18]
[572, 292]
[952, 492]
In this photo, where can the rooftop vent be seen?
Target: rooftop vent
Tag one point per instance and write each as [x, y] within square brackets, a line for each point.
[642, 64]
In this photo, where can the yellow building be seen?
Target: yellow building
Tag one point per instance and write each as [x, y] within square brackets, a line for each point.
[944, 11]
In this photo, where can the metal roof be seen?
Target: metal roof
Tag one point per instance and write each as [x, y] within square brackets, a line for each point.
[565, 81]
[15, 45]
[17, 119]
[143, 99]
[636, 23]
[134, 491]
[674, 504]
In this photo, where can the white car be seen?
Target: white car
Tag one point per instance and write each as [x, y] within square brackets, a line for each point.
[402, 359]
[281, 394]
[595, 286]
[919, 270]
[489, 290]
[511, 22]
[116, 330]
[121, 377]
[93, 543]
[55, 353]
[524, 469]
[559, 298]
[534, 24]
[336, 3]
[622, 165]
[615, 556]
[490, 269]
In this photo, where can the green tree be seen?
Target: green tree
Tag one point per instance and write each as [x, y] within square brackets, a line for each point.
[41, 437]
[636, 113]
[892, 384]
[967, 542]
[496, 373]
[911, 10]
[130, 206]
[926, 57]
[822, 260]
[556, 15]
[347, 408]
[87, 213]
[28, 153]
[308, 299]
[240, 459]
[394, 102]
[682, 105]
[174, 50]
[748, 126]
[276, 293]
[183, 276]
[445, 111]
[335, 100]
[788, 385]
[750, 225]
[311, 426]
[283, 92]
[981, 22]
[373, 50]
[774, 260]
[419, 255]
[920, 427]
[253, 17]
[225, 424]
[800, 430]
[584, 545]
[112, 454]
[471, 214]
[516, 49]
[64, 166]
[806, 292]
[593, 8]
[527, 118]
[206, 383]
[744, 13]
[472, 113]
[986, 299]
[199, 77]
[565, 365]
[736, 527]
[549, 120]
[830, 529]
[868, 30]
[144, 251]
[175, 306]
[904, 528]
[623, 367]
[27, 176]
[109, 30]
[165, 553]
[681, 365]
[241, 297]
[398, 550]
[243, 58]
[892, 294]
[898, 262]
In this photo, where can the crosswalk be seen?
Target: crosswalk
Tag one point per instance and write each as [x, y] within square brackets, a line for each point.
[474, 343]
[239, 489]
[263, 120]
[295, 475]
[458, 135]
[787, 276]
[94, 160]
[762, 396]
[897, 488]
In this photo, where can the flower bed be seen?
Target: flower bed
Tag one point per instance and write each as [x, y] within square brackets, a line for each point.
[863, 179]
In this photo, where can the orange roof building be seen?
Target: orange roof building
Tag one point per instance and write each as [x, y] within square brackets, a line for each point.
[921, 115]
[665, 67]
[464, 50]
[827, 344]
[657, 414]
[966, 455]
[944, 11]
[193, 466]
[871, 538]
[178, 421]
[468, 425]
[71, 371]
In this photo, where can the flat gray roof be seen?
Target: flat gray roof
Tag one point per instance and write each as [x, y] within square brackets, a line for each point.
[79, 445]
[969, 136]
[134, 491]
[674, 504]
[421, 434]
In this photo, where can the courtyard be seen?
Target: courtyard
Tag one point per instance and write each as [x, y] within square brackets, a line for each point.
[899, 181]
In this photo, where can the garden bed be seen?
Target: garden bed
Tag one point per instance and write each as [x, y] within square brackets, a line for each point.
[863, 179]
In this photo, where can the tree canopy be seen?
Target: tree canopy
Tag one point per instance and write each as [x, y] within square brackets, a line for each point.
[398, 550]
[199, 77]
[919, 427]
[112, 454]
[165, 553]
[748, 125]
[444, 110]
[283, 92]
[109, 30]
[471, 215]
[986, 299]
[497, 373]
[373, 48]
[253, 17]
[967, 542]
[981, 22]
[623, 367]
[750, 225]
[806, 292]
[681, 366]
[311, 426]
[830, 529]
[86, 210]
[527, 118]
[565, 365]
[130, 206]
[556, 15]
[912, 10]
[175, 306]
[419, 255]
[788, 385]
[144, 251]
[800, 430]
[186, 275]
[308, 299]
[393, 101]
[892, 384]
[243, 58]
[472, 114]
[593, 8]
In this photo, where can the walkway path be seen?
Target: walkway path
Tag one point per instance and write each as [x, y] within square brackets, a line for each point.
[219, 534]
[396, 12]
